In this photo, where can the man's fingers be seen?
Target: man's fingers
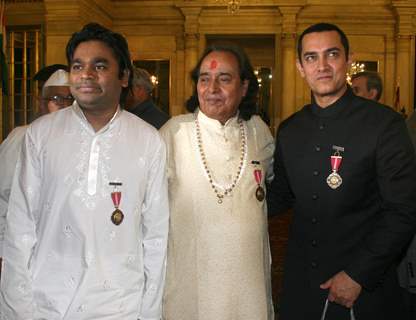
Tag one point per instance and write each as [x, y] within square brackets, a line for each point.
[326, 284]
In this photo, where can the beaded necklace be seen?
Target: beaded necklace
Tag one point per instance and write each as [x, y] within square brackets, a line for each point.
[243, 150]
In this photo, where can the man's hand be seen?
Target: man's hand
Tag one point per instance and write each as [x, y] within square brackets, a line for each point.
[342, 289]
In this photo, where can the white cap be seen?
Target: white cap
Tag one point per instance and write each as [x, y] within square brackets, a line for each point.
[58, 78]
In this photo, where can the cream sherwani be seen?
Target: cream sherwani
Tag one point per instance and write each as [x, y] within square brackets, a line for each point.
[218, 254]
[63, 258]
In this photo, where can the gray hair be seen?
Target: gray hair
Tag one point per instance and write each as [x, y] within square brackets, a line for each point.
[142, 78]
[373, 81]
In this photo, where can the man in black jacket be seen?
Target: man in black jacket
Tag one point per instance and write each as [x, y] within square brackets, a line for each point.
[139, 100]
[347, 167]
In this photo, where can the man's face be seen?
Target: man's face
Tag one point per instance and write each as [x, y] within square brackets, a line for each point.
[359, 87]
[220, 89]
[57, 97]
[136, 95]
[324, 65]
[94, 76]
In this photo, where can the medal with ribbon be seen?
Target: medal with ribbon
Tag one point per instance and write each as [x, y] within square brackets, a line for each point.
[334, 180]
[258, 176]
[117, 216]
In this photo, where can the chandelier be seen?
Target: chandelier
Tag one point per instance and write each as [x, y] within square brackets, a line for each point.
[232, 5]
[356, 67]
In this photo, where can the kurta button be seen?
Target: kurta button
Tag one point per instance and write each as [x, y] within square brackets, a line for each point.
[314, 220]
[314, 197]
[314, 243]
[317, 148]
[315, 172]
[314, 264]
[321, 127]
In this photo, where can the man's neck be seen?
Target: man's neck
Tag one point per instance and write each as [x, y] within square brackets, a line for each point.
[99, 118]
[326, 100]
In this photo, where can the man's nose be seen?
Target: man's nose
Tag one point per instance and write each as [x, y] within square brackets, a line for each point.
[322, 62]
[213, 85]
[88, 72]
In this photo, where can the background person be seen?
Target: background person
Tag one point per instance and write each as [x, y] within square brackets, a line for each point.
[139, 100]
[367, 84]
[55, 96]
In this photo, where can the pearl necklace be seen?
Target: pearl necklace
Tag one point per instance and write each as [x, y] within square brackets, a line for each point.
[243, 150]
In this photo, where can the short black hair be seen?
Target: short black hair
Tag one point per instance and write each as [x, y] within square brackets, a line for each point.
[247, 106]
[373, 81]
[45, 73]
[115, 41]
[322, 27]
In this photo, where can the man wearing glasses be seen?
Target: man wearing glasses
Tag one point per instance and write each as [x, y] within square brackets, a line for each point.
[55, 96]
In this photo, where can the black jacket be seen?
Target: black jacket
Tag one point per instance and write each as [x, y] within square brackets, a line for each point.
[150, 113]
[361, 226]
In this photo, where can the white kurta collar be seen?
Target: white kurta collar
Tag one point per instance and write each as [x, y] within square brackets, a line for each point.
[85, 123]
[215, 124]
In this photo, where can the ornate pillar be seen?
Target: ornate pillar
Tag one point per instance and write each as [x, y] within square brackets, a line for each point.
[191, 13]
[288, 63]
[405, 57]
[389, 72]
[179, 106]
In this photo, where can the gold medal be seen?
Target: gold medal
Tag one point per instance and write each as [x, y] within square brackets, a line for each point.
[258, 176]
[334, 180]
[260, 194]
[117, 217]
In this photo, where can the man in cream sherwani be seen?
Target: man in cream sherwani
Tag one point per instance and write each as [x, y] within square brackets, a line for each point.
[219, 157]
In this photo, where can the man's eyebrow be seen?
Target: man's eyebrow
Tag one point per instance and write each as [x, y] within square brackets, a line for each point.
[95, 60]
[307, 53]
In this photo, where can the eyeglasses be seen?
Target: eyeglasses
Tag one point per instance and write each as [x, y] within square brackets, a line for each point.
[60, 100]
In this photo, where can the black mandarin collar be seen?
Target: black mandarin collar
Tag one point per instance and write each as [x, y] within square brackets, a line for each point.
[333, 109]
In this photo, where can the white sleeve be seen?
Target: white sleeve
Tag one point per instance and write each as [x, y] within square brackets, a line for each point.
[155, 225]
[9, 152]
[16, 299]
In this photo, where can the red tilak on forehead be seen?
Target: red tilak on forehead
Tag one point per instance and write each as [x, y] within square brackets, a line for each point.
[214, 64]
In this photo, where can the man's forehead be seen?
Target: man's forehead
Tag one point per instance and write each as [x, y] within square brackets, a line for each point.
[93, 49]
[219, 62]
[321, 41]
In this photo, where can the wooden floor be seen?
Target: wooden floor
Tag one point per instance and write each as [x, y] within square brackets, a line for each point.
[278, 232]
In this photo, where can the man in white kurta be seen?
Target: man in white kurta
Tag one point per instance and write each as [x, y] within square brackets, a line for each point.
[55, 96]
[64, 258]
[218, 251]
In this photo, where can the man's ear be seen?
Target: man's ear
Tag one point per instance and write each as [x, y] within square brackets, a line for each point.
[300, 68]
[372, 94]
[125, 78]
[245, 87]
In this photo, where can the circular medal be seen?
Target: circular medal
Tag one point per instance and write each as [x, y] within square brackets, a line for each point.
[334, 180]
[260, 194]
[117, 217]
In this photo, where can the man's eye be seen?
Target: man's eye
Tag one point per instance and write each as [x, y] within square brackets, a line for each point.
[100, 67]
[333, 54]
[310, 58]
[225, 79]
[76, 67]
[203, 79]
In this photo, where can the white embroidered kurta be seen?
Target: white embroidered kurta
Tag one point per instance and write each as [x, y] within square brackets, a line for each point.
[218, 254]
[63, 257]
[9, 153]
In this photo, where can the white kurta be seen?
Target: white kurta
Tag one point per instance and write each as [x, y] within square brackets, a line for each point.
[9, 153]
[63, 258]
[218, 254]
